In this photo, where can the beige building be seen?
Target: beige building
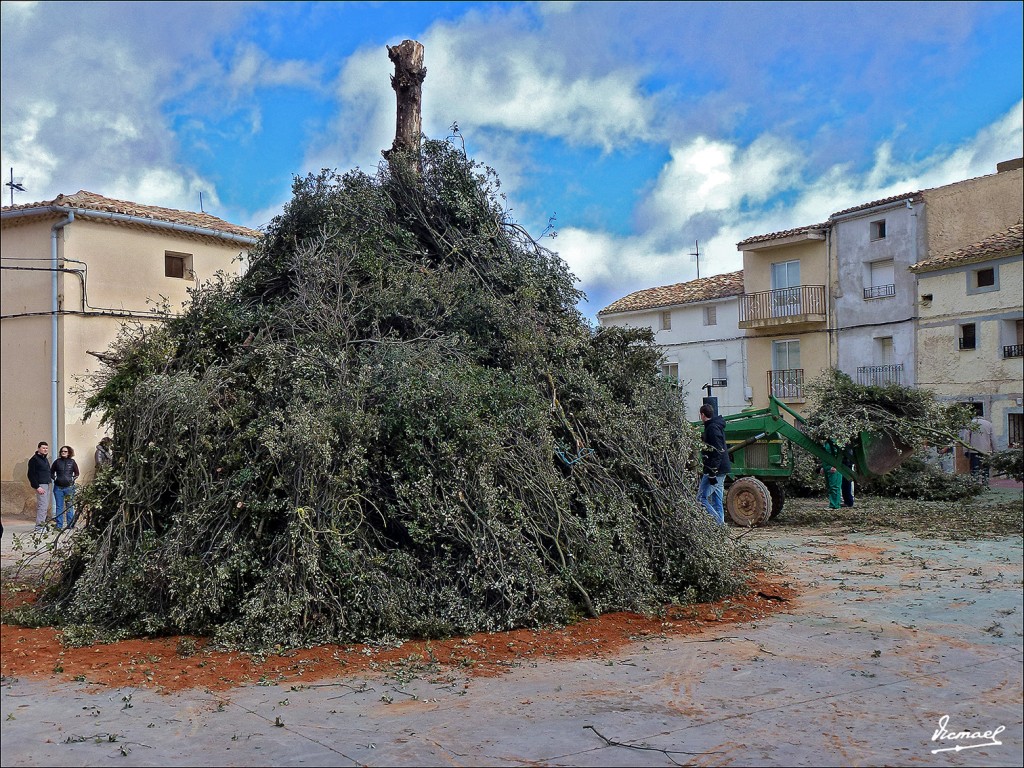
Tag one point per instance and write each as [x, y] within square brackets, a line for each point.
[785, 311]
[971, 329]
[74, 270]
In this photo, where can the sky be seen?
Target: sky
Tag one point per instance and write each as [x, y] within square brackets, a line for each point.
[637, 129]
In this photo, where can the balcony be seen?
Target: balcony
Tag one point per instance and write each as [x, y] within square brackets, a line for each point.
[965, 342]
[783, 306]
[880, 375]
[719, 382]
[1013, 350]
[786, 384]
[879, 292]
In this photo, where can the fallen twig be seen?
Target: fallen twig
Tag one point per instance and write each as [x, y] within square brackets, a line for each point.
[667, 752]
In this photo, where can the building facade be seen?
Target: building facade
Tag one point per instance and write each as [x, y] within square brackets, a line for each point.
[696, 326]
[875, 294]
[971, 329]
[75, 270]
[785, 311]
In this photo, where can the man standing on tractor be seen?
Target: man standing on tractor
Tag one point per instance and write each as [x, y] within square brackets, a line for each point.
[716, 463]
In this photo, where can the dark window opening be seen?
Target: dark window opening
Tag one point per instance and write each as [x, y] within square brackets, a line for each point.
[986, 277]
[968, 336]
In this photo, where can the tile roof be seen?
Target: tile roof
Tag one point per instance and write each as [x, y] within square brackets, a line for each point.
[704, 289]
[779, 235]
[92, 201]
[911, 196]
[1000, 243]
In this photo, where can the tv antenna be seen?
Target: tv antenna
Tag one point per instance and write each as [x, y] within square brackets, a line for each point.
[16, 185]
[696, 255]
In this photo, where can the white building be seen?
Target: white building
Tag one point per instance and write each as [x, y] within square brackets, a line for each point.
[696, 324]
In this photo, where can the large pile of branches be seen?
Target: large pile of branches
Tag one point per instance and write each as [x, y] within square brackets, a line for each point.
[395, 424]
[841, 409]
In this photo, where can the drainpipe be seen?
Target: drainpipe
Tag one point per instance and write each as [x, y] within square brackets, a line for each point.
[55, 307]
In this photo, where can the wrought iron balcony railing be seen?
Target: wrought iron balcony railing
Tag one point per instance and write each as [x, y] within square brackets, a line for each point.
[880, 375]
[967, 343]
[787, 384]
[719, 382]
[1013, 350]
[805, 303]
[879, 291]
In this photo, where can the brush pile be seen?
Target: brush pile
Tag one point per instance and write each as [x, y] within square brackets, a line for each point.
[842, 409]
[395, 424]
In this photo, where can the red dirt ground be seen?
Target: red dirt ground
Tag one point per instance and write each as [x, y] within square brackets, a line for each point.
[170, 664]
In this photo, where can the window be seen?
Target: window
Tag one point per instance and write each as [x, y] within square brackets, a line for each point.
[711, 315]
[1015, 428]
[1013, 332]
[671, 371]
[883, 350]
[786, 379]
[178, 265]
[878, 229]
[881, 279]
[786, 354]
[718, 374]
[968, 336]
[666, 321]
[786, 288]
[978, 408]
[982, 280]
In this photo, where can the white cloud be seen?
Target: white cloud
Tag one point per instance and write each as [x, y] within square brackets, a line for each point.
[252, 68]
[516, 83]
[709, 184]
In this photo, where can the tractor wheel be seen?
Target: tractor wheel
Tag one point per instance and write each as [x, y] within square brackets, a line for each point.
[748, 502]
[778, 493]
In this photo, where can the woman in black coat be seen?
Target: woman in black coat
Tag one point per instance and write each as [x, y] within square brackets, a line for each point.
[64, 472]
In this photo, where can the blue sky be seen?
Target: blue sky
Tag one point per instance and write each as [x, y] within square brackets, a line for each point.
[642, 127]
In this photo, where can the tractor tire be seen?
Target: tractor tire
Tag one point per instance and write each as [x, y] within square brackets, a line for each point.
[748, 502]
[778, 493]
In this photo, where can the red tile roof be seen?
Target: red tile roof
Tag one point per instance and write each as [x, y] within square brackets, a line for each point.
[911, 196]
[780, 235]
[704, 289]
[1001, 243]
[92, 201]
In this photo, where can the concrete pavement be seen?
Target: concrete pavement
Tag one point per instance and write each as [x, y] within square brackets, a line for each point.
[892, 637]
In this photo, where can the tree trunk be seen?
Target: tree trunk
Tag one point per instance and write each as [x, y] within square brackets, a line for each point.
[407, 82]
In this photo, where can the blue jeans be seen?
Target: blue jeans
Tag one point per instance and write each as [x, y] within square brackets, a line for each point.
[711, 496]
[64, 498]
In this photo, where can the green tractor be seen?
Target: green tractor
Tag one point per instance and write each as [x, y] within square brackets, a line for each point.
[760, 465]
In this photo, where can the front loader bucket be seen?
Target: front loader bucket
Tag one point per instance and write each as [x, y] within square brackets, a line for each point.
[879, 454]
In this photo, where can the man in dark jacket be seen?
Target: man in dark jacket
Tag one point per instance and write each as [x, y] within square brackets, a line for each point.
[39, 479]
[716, 463]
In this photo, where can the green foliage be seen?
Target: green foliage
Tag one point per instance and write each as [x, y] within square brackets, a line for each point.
[1008, 463]
[805, 480]
[842, 409]
[369, 435]
[919, 480]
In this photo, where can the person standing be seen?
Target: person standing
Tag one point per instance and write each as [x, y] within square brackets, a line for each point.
[834, 484]
[104, 455]
[64, 472]
[39, 479]
[979, 436]
[716, 464]
[847, 484]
